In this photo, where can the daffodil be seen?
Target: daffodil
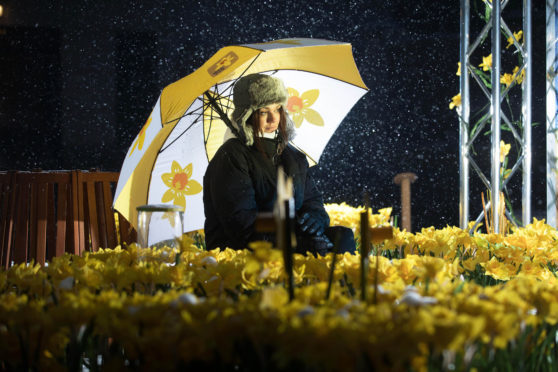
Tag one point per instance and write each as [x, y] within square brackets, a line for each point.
[455, 101]
[517, 35]
[486, 63]
[506, 79]
[138, 143]
[458, 73]
[299, 105]
[180, 183]
[521, 75]
[504, 150]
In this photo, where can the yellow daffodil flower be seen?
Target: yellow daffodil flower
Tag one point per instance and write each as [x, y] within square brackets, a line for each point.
[486, 63]
[455, 101]
[138, 143]
[521, 76]
[506, 79]
[298, 106]
[518, 36]
[504, 150]
[458, 73]
[180, 183]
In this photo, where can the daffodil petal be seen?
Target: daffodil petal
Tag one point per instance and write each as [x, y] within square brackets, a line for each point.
[292, 92]
[193, 187]
[168, 196]
[313, 117]
[180, 199]
[175, 167]
[309, 97]
[297, 119]
[167, 179]
[188, 170]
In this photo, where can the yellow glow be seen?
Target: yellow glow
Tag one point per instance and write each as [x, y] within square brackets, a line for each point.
[1, 10]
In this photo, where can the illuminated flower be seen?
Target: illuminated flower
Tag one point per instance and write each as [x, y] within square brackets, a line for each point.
[506, 79]
[517, 35]
[486, 63]
[521, 76]
[180, 184]
[504, 150]
[455, 101]
[299, 107]
[141, 137]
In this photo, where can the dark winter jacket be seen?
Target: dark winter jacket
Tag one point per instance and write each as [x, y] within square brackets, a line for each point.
[241, 182]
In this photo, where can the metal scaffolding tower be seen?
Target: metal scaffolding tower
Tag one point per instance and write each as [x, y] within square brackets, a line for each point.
[494, 95]
[551, 110]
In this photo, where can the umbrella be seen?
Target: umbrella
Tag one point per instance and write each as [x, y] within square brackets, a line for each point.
[168, 158]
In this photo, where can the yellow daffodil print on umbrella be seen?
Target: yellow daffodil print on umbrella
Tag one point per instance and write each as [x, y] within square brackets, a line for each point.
[299, 105]
[180, 183]
[141, 137]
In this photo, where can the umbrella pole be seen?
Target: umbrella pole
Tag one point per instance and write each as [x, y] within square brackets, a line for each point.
[223, 115]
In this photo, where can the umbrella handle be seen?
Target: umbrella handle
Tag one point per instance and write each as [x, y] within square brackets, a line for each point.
[223, 116]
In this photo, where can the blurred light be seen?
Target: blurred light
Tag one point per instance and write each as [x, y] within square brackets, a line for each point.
[1, 10]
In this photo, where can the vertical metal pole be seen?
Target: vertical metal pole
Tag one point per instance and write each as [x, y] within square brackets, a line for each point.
[495, 108]
[551, 110]
[526, 113]
[464, 116]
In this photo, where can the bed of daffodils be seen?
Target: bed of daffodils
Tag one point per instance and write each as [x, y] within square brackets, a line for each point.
[439, 299]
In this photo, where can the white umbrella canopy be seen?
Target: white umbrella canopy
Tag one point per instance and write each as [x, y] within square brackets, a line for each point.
[167, 160]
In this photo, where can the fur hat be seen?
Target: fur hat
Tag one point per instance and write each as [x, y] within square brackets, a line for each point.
[252, 92]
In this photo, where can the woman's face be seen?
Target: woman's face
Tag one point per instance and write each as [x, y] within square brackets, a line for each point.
[269, 117]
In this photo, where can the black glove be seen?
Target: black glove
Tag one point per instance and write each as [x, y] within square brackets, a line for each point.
[316, 244]
[310, 224]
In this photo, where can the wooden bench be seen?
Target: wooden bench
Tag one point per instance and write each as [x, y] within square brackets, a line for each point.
[45, 214]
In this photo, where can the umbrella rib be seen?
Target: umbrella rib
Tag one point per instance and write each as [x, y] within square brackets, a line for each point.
[177, 137]
[187, 129]
[229, 87]
[304, 152]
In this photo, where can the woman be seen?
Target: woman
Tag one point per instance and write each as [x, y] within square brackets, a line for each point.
[241, 179]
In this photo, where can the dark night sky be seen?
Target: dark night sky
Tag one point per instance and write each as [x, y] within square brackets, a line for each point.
[79, 78]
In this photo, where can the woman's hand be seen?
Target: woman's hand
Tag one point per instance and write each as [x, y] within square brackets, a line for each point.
[310, 224]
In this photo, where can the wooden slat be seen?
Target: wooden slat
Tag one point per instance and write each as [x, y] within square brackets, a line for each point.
[109, 215]
[21, 228]
[61, 218]
[38, 250]
[103, 241]
[127, 232]
[80, 221]
[9, 239]
[33, 189]
[93, 219]
[6, 185]
[52, 189]
[71, 233]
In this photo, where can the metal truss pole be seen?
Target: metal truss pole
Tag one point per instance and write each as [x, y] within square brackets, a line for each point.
[551, 110]
[496, 121]
[495, 94]
[526, 106]
[464, 117]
